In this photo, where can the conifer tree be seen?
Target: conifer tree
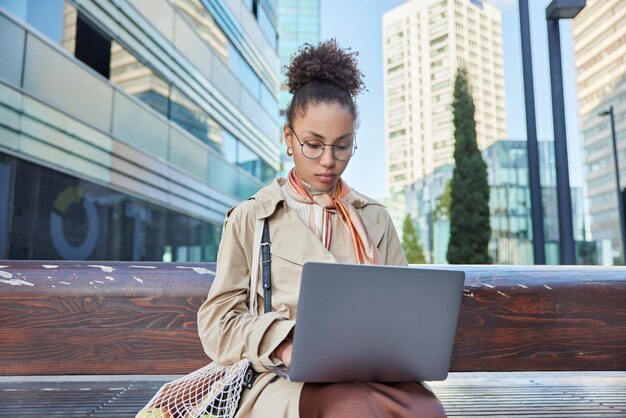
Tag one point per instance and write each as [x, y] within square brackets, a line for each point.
[470, 230]
[410, 243]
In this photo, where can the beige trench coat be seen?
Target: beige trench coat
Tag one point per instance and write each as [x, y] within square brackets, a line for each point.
[227, 329]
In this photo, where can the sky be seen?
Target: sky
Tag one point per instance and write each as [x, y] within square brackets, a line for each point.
[358, 24]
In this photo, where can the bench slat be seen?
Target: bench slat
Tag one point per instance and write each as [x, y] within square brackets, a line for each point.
[99, 351]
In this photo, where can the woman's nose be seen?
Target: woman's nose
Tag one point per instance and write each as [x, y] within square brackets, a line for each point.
[327, 158]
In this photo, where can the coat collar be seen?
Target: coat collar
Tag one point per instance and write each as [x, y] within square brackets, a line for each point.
[268, 198]
[307, 248]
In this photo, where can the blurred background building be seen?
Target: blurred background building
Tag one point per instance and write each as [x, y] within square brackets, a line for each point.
[600, 56]
[299, 23]
[129, 127]
[424, 43]
[427, 202]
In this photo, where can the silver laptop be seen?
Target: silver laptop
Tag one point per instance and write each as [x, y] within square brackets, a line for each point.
[374, 323]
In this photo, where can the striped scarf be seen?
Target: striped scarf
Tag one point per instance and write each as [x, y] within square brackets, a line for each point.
[331, 203]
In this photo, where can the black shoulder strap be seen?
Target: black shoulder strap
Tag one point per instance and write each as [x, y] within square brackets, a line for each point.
[267, 269]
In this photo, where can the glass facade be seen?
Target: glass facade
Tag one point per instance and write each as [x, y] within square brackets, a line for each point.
[60, 217]
[424, 202]
[260, 10]
[148, 130]
[137, 79]
[509, 204]
[212, 33]
[299, 24]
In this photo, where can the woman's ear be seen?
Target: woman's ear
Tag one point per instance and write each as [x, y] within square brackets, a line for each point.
[287, 135]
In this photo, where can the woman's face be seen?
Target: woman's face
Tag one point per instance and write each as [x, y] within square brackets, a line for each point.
[330, 123]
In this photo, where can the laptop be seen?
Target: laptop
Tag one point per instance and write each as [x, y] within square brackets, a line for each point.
[360, 322]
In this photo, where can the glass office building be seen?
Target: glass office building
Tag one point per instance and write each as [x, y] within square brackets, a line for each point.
[509, 206]
[128, 128]
[423, 201]
[299, 24]
[509, 203]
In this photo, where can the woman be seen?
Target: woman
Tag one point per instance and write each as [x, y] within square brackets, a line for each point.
[313, 216]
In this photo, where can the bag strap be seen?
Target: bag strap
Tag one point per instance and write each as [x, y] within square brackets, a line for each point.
[254, 269]
[262, 242]
[267, 267]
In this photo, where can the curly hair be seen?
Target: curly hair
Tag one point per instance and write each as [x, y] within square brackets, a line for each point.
[324, 73]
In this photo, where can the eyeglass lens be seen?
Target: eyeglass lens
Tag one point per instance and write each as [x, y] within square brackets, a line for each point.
[315, 148]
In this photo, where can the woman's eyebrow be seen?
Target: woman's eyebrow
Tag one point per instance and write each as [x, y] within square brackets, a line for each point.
[320, 136]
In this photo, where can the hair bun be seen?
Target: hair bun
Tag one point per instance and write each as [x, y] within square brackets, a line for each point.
[325, 62]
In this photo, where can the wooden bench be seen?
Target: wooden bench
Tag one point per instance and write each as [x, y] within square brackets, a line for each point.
[138, 321]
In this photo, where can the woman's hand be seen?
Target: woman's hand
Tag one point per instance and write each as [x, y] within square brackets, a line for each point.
[283, 352]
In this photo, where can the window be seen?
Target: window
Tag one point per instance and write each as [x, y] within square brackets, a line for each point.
[266, 25]
[192, 118]
[92, 46]
[97, 223]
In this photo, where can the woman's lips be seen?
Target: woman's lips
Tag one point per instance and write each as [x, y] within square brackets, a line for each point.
[326, 178]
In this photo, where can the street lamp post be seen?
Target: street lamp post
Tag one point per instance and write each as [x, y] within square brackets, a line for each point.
[534, 181]
[557, 10]
[620, 199]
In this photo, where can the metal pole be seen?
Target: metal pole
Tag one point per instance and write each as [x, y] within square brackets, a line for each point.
[620, 200]
[534, 180]
[564, 200]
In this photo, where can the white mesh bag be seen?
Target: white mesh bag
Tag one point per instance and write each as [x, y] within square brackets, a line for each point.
[213, 391]
[210, 392]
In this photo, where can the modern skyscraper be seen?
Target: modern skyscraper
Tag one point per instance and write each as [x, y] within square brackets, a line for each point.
[600, 54]
[128, 128]
[424, 43]
[299, 24]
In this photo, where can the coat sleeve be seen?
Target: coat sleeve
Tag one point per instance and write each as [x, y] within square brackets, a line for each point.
[390, 246]
[227, 329]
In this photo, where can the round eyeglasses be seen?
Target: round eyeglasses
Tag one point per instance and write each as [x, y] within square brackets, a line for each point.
[314, 148]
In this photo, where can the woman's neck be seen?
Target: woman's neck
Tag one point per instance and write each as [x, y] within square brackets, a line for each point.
[316, 192]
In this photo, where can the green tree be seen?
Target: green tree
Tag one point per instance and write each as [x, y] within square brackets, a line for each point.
[442, 209]
[469, 206]
[411, 244]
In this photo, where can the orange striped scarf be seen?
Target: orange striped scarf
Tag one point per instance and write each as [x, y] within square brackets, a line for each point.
[335, 202]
